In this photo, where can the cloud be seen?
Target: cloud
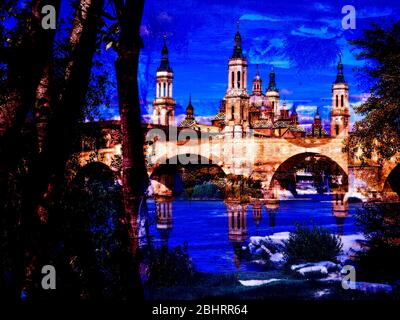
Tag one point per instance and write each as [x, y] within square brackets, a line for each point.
[306, 108]
[260, 17]
[322, 7]
[321, 32]
[373, 12]
[359, 98]
[286, 92]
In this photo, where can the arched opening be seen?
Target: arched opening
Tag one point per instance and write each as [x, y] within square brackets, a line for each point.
[307, 173]
[186, 181]
[233, 79]
[392, 184]
[238, 79]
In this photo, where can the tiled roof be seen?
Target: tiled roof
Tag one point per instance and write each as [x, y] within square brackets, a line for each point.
[219, 116]
[281, 124]
[324, 133]
[296, 128]
[188, 123]
[263, 123]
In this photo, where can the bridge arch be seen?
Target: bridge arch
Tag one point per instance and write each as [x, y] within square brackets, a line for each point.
[95, 171]
[391, 182]
[164, 175]
[288, 167]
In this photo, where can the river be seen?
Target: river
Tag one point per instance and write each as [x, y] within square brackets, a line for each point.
[204, 226]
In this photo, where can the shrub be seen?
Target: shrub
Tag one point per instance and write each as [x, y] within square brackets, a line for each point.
[169, 267]
[311, 244]
[380, 224]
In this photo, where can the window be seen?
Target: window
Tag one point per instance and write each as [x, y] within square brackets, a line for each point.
[337, 101]
[233, 112]
[238, 79]
[233, 79]
[159, 90]
[165, 89]
[342, 102]
[337, 129]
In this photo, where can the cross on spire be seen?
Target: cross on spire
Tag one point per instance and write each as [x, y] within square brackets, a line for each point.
[340, 74]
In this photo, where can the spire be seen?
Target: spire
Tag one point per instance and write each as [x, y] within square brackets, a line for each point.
[340, 74]
[257, 76]
[237, 49]
[189, 109]
[294, 112]
[294, 117]
[272, 81]
[164, 65]
[317, 114]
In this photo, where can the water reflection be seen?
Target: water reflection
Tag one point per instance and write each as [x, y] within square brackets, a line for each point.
[278, 215]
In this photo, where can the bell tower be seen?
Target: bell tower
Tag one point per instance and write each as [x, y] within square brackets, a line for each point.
[237, 97]
[273, 93]
[257, 84]
[340, 114]
[163, 104]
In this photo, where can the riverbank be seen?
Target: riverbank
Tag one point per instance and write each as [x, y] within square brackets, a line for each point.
[229, 286]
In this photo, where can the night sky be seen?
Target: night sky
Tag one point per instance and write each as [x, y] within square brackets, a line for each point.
[301, 39]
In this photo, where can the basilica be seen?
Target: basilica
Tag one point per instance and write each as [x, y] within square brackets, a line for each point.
[261, 111]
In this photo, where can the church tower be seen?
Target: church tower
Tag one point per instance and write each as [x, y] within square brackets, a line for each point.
[273, 93]
[237, 97]
[257, 84]
[340, 114]
[164, 105]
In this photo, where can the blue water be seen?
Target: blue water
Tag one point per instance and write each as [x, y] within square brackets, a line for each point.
[204, 226]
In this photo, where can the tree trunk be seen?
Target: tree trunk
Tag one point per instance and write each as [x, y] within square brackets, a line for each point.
[26, 63]
[134, 174]
[47, 170]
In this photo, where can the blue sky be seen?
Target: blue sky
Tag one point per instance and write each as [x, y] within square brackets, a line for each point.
[301, 39]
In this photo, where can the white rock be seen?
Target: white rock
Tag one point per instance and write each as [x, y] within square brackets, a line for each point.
[257, 241]
[279, 237]
[266, 250]
[329, 265]
[318, 270]
[252, 283]
[295, 267]
[277, 257]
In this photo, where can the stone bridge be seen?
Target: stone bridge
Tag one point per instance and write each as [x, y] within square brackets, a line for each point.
[262, 158]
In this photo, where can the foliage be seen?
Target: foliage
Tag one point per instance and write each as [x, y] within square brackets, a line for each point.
[92, 237]
[206, 191]
[380, 224]
[311, 244]
[379, 130]
[169, 267]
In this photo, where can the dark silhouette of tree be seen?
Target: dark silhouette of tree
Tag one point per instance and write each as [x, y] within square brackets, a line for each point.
[134, 173]
[379, 130]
